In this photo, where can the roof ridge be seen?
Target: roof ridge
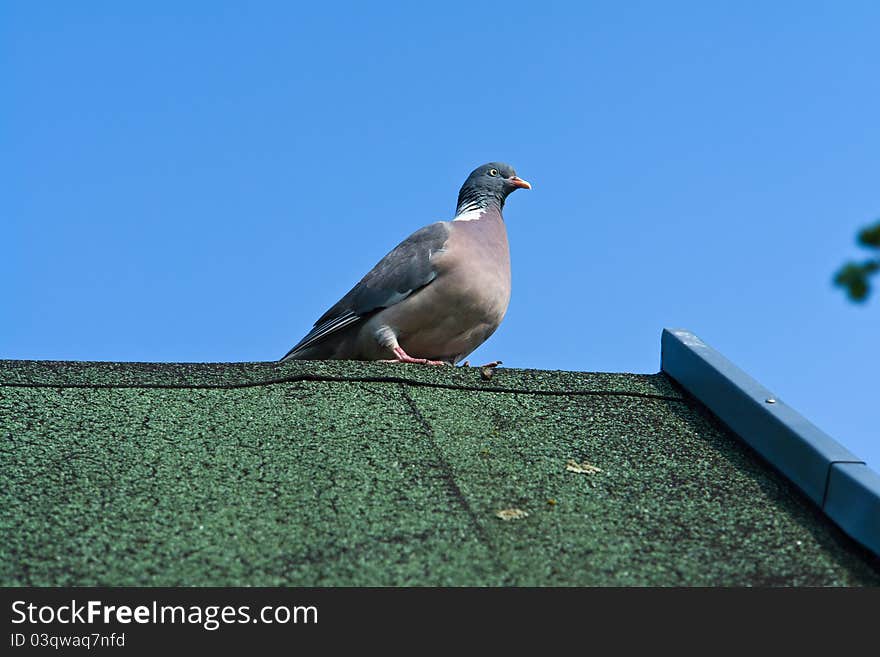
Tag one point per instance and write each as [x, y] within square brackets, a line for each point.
[346, 379]
[110, 375]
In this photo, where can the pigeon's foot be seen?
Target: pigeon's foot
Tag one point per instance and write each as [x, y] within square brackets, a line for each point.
[403, 357]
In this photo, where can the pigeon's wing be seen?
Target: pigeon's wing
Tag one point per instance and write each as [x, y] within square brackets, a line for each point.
[396, 276]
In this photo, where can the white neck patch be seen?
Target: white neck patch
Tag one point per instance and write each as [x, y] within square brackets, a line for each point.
[470, 215]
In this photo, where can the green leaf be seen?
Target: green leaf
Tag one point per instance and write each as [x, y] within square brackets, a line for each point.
[870, 236]
[854, 277]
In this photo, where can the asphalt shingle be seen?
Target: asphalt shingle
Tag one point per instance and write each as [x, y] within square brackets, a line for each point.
[342, 473]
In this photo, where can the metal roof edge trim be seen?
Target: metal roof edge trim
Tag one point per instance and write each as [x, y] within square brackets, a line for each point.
[829, 474]
[853, 502]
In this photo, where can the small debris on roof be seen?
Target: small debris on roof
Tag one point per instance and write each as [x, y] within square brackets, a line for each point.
[487, 371]
[512, 514]
[581, 468]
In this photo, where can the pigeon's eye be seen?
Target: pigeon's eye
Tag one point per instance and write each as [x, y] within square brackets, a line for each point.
[493, 172]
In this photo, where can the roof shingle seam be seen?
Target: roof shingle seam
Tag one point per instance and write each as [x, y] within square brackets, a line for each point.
[299, 378]
[449, 476]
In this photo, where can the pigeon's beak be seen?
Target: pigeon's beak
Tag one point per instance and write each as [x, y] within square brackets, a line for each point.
[519, 182]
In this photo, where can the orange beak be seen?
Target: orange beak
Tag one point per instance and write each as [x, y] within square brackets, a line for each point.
[519, 182]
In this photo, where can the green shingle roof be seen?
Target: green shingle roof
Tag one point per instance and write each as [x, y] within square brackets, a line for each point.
[344, 473]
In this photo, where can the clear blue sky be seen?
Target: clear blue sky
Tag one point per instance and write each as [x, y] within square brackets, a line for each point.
[199, 181]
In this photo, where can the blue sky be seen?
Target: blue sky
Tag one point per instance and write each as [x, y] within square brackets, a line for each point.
[199, 181]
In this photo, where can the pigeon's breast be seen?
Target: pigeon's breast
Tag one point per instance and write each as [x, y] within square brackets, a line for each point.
[477, 259]
[465, 304]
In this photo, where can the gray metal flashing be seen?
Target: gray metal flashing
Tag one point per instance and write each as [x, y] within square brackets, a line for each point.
[853, 501]
[835, 479]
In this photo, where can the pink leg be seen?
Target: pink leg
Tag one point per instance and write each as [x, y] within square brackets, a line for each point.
[403, 357]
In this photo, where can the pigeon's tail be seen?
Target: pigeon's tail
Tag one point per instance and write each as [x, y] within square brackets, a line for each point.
[301, 354]
[312, 352]
[326, 346]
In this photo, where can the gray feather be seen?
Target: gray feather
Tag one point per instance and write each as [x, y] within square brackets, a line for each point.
[401, 272]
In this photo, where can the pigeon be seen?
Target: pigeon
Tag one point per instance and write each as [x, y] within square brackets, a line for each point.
[437, 296]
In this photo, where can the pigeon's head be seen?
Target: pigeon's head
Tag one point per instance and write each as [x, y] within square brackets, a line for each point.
[487, 185]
